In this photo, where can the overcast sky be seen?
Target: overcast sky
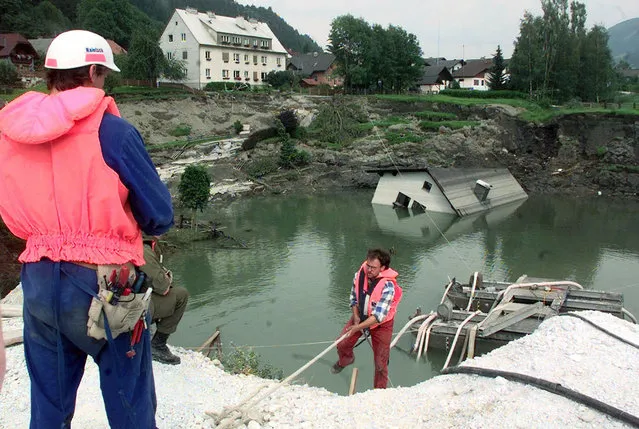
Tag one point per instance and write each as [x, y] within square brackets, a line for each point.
[452, 29]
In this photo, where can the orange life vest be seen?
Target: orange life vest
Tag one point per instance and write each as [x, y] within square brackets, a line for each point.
[375, 293]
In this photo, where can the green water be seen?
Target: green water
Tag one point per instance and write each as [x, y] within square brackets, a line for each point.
[291, 285]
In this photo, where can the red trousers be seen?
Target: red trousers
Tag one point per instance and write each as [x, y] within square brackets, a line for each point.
[381, 339]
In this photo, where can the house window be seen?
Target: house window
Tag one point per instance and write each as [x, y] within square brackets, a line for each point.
[255, 76]
[170, 37]
[263, 60]
[482, 82]
[207, 55]
[402, 200]
[207, 73]
[185, 55]
[183, 35]
[246, 59]
[236, 75]
[279, 61]
[175, 22]
[169, 55]
[236, 58]
[476, 82]
[417, 207]
[246, 42]
[427, 186]
[264, 44]
[225, 39]
[246, 75]
[263, 75]
[225, 74]
[255, 59]
[255, 43]
[225, 57]
[237, 40]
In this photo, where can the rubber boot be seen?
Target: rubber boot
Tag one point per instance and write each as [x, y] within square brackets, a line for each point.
[161, 352]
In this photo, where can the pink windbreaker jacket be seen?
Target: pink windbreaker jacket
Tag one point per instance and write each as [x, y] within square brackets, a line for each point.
[56, 191]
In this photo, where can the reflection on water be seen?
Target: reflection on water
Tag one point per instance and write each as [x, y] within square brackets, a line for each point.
[291, 285]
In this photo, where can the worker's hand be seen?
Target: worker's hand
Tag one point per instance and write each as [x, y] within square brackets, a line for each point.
[354, 329]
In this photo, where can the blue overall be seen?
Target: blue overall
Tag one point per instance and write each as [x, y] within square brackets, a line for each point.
[56, 345]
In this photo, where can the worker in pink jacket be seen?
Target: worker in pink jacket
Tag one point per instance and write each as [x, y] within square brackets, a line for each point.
[3, 362]
[79, 187]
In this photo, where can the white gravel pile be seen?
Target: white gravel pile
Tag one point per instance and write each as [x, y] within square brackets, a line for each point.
[563, 350]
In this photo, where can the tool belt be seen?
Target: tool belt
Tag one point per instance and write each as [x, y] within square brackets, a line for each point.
[117, 301]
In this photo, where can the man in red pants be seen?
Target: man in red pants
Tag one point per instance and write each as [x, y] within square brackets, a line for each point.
[374, 298]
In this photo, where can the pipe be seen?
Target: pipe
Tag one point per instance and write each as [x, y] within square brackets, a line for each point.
[420, 332]
[450, 284]
[427, 324]
[633, 319]
[406, 326]
[551, 387]
[604, 330]
[461, 326]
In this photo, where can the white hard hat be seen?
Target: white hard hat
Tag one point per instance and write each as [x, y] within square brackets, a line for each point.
[77, 48]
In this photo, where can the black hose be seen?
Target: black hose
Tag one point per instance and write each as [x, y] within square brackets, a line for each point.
[551, 387]
[604, 330]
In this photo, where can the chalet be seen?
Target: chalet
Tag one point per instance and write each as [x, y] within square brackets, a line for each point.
[218, 48]
[18, 50]
[474, 74]
[434, 79]
[456, 191]
[316, 68]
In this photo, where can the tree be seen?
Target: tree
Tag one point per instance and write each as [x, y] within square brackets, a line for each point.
[282, 78]
[194, 189]
[146, 60]
[351, 40]
[596, 71]
[373, 56]
[8, 73]
[497, 77]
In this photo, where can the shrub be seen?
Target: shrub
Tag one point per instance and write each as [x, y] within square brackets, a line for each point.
[339, 122]
[194, 189]
[237, 126]
[466, 93]
[261, 167]
[453, 125]
[289, 120]
[181, 130]
[244, 360]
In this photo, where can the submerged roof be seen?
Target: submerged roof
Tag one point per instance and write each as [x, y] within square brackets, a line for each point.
[458, 185]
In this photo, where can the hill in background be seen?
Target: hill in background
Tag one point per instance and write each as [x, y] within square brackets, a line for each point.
[624, 42]
[118, 19]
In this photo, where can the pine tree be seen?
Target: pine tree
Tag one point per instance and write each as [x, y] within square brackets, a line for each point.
[497, 79]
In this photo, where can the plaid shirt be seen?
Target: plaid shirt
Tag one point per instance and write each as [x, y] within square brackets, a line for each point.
[383, 306]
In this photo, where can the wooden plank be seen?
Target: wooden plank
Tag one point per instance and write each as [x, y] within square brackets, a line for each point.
[12, 337]
[8, 310]
[472, 335]
[509, 319]
[351, 389]
[208, 342]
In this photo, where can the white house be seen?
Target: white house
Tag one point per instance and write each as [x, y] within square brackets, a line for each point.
[221, 49]
[474, 74]
[455, 191]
